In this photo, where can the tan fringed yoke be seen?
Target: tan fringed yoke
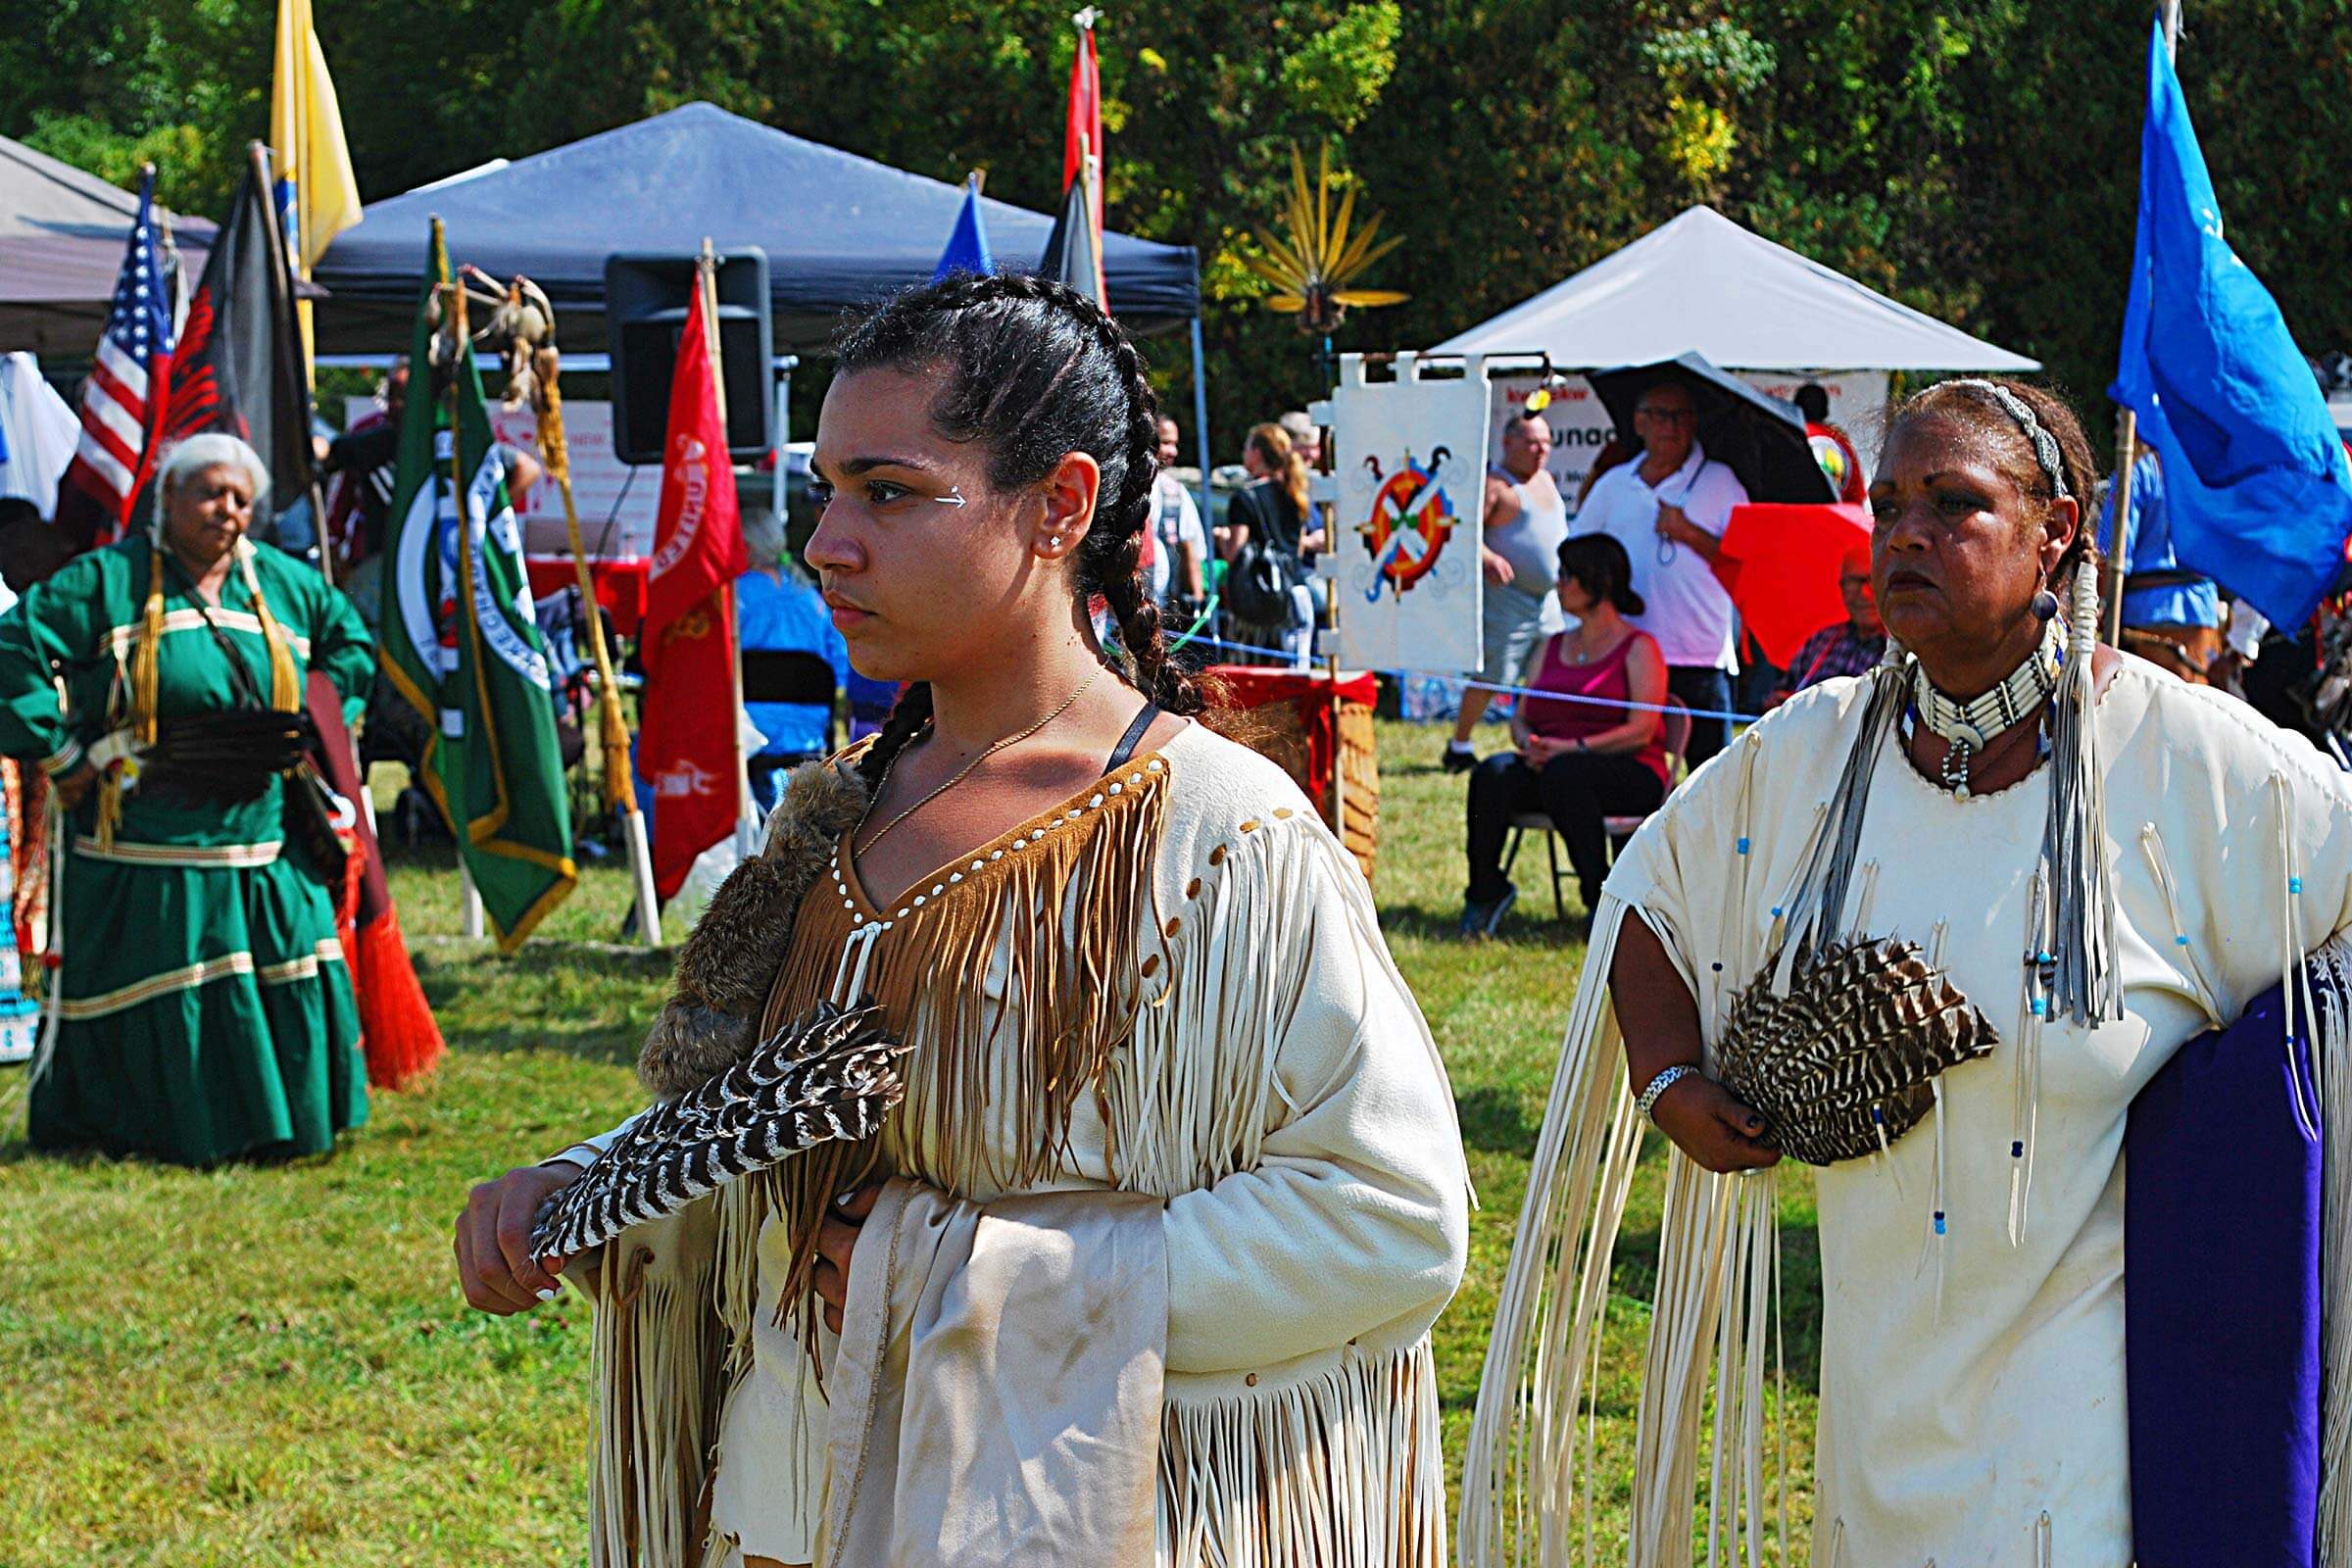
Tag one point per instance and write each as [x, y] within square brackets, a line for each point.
[1173, 984]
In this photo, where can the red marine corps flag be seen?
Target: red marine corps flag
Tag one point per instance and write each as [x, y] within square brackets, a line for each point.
[687, 748]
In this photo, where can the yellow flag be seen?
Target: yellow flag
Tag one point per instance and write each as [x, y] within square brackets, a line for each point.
[306, 139]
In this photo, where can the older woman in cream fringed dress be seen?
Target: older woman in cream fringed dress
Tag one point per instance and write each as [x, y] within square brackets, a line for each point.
[1175, 1191]
[2083, 864]
[204, 1009]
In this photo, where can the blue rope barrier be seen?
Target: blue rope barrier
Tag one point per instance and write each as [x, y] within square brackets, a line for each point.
[1290, 662]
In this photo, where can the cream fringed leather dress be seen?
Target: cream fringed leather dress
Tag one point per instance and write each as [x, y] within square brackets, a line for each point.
[1972, 1380]
[1171, 992]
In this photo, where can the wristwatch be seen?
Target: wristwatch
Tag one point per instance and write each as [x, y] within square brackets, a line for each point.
[1666, 1079]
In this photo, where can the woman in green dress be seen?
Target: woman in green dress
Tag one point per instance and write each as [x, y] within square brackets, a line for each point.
[204, 1012]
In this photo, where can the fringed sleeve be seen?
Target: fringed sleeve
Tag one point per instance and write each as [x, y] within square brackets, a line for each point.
[1528, 1479]
[1355, 1211]
[1283, 1090]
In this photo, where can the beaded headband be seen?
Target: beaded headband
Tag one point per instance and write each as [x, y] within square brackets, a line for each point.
[2045, 445]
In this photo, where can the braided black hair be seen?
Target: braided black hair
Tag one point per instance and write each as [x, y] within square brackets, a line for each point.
[1034, 370]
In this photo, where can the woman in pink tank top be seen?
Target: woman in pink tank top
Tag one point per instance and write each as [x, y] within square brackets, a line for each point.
[1596, 751]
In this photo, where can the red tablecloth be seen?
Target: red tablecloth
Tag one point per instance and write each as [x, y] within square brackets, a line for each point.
[619, 585]
[1308, 696]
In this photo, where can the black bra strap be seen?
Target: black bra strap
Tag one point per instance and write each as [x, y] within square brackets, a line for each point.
[1134, 737]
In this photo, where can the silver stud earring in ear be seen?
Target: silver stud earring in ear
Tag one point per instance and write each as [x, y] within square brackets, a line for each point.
[1056, 541]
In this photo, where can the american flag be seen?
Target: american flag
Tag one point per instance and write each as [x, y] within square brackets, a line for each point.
[123, 400]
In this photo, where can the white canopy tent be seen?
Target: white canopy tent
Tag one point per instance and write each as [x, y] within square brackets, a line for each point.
[1704, 282]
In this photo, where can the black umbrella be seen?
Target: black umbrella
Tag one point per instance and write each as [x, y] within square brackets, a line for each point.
[1759, 438]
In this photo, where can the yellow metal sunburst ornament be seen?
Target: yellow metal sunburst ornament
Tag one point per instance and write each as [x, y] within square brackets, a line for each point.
[1320, 254]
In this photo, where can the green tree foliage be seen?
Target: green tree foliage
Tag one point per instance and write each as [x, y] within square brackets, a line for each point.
[1977, 159]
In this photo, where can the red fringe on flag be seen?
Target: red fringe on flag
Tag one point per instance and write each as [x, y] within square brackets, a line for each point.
[397, 1030]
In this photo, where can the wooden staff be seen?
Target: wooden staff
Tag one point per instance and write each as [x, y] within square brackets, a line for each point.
[2127, 438]
[613, 726]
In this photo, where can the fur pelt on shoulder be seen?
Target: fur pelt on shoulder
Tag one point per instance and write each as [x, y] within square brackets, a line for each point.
[732, 956]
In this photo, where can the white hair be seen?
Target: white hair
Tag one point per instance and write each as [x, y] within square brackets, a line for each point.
[211, 449]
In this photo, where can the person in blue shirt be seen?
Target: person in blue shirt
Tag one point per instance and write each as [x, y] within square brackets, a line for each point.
[2172, 616]
[778, 611]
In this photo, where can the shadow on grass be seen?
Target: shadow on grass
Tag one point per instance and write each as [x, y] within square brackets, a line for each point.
[1634, 1272]
[1522, 928]
[592, 1000]
[1495, 1120]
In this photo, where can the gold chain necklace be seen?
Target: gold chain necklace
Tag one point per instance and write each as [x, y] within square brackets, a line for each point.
[960, 774]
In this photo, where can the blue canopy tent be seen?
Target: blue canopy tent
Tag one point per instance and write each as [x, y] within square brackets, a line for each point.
[840, 231]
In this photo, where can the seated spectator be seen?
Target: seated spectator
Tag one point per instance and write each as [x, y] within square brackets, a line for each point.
[793, 661]
[1850, 646]
[1578, 761]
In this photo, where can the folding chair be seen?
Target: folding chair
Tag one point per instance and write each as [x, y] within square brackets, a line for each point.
[1617, 828]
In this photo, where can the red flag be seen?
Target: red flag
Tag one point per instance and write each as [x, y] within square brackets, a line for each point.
[1084, 136]
[686, 745]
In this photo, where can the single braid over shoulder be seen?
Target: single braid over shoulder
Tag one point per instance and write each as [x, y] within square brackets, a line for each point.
[1033, 370]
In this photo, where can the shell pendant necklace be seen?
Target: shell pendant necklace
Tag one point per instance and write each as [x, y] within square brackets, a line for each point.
[1968, 727]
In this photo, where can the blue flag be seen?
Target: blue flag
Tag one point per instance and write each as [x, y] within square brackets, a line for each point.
[2255, 476]
[968, 246]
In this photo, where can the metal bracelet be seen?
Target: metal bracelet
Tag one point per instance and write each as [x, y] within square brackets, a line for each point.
[1666, 1079]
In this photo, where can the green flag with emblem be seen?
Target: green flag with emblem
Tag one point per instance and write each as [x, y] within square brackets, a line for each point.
[457, 637]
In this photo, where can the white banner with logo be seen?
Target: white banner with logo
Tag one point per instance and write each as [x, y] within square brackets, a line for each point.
[1408, 461]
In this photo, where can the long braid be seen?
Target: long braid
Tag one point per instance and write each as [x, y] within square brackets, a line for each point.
[908, 716]
[1116, 566]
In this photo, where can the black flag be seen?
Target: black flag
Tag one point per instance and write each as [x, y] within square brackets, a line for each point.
[1070, 249]
[238, 367]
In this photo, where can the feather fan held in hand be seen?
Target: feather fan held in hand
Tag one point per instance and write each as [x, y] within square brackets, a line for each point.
[832, 1075]
[1854, 1046]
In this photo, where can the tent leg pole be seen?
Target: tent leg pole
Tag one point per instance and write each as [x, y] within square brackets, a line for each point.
[1201, 417]
[783, 376]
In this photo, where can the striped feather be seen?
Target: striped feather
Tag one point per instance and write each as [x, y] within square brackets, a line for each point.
[831, 1076]
[1866, 1027]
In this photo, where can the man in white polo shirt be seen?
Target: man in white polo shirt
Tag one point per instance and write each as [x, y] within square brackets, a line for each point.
[1669, 507]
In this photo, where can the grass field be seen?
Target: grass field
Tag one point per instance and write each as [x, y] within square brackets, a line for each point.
[272, 1365]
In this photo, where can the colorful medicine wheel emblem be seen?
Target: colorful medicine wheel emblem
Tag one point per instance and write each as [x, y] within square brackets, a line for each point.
[1411, 518]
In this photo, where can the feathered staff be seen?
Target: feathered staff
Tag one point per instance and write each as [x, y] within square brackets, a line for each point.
[522, 328]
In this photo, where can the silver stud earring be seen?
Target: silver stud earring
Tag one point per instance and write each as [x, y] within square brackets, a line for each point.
[1056, 541]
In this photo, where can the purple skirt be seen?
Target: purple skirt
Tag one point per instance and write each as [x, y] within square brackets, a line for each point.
[2222, 1300]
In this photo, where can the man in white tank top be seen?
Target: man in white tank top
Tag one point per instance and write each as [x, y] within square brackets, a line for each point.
[1526, 520]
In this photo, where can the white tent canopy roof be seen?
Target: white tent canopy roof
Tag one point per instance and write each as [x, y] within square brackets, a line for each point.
[1704, 282]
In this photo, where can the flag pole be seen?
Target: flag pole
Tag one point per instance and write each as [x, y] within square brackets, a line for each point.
[2126, 440]
[293, 365]
[620, 795]
[706, 295]
[453, 321]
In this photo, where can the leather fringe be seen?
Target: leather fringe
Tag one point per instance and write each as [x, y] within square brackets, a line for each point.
[1268, 1481]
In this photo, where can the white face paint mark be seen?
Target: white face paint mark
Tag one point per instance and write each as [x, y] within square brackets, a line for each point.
[953, 498]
